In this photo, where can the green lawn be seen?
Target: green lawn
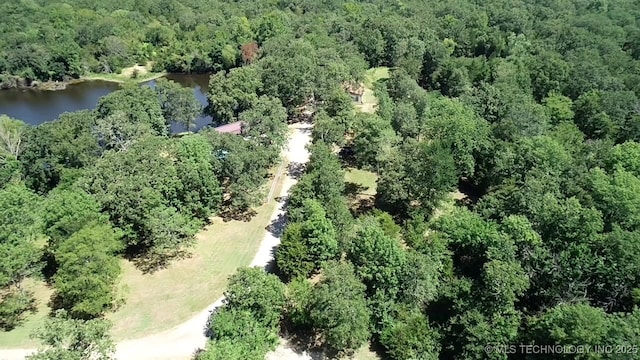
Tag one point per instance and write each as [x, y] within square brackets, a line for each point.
[374, 74]
[366, 181]
[144, 74]
[369, 100]
[19, 337]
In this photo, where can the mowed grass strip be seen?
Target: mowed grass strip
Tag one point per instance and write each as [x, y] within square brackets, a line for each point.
[168, 297]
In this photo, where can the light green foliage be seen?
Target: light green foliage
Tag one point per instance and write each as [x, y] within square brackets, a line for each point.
[559, 107]
[11, 137]
[138, 105]
[233, 92]
[617, 196]
[69, 339]
[379, 259]
[259, 293]
[88, 271]
[626, 156]
[339, 310]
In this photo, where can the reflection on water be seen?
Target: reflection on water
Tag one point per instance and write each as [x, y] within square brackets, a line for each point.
[37, 106]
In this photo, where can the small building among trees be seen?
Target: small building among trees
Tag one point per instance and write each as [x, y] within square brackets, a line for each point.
[231, 128]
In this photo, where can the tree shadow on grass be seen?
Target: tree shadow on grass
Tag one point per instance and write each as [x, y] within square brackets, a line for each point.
[362, 206]
[351, 189]
[151, 262]
[229, 214]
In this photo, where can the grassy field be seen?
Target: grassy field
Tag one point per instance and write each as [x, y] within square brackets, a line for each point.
[168, 297]
[372, 75]
[144, 73]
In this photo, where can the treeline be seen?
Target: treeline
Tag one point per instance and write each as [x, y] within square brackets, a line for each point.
[530, 109]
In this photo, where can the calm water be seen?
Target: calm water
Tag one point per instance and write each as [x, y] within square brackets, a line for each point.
[36, 106]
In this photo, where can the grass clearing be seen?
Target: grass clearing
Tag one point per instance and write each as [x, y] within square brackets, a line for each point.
[143, 74]
[369, 100]
[365, 180]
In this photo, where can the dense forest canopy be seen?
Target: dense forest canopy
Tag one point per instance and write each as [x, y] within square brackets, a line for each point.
[531, 108]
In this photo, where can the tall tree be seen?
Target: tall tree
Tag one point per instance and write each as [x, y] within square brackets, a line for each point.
[179, 104]
[338, 308]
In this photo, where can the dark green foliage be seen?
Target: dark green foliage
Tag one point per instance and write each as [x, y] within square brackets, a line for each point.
[87, 271]
[66, 211]
[67, 143]
[411, 337]
[200, 193]
[138, 105]
[15, 305]
[338, 308]
[307, 244]
[378, 258]
[143, 194]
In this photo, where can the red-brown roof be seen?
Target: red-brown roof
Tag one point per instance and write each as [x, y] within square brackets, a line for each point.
[231, 128]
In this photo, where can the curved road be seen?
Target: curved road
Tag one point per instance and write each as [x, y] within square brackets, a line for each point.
[184, 340]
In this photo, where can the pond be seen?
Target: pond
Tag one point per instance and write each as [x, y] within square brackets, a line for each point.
[38, 106]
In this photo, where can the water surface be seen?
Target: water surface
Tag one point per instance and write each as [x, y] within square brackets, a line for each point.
[38, 106]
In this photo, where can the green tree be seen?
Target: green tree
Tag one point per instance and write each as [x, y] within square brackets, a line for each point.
[71, 339]
[87, 271]
[53, 147]
[200, 193]
[20, 229]
[379, 259]
[11, 137]
[339, 309]
[411, 337]
[259, 293]
[138, 105]
[250, 338]
[179, 104]
[307, 244]
[66, 211]
[233, 92]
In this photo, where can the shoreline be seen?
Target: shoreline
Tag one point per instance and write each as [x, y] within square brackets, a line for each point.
[118, 79]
